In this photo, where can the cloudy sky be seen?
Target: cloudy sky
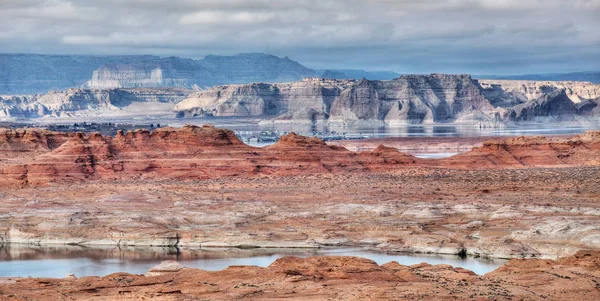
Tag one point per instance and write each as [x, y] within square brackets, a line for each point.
[408, 36]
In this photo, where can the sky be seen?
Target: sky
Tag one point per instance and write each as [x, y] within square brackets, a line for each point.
[449, 36]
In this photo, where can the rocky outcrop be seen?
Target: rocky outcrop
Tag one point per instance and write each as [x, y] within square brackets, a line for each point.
[339, 278]
[532, 151]
[435, 98]
[25, 106]
[165, 268]
[508, 93]
[24, 140]
[205, 152]
[61, 103]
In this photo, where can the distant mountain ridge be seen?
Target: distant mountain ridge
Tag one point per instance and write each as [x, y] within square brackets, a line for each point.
[35, 74]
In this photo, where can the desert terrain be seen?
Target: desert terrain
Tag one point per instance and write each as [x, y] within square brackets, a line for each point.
[531, 199]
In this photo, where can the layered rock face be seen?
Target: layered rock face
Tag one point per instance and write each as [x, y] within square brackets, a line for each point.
[435, 98]
[187, 153]
[206, 152]
[58, 103]
[510, 92]
[25, 106]
[413, 99]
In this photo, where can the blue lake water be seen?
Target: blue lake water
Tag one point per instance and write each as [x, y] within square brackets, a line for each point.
[58, 262]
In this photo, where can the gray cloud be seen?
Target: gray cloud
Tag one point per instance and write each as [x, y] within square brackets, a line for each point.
[475, 36]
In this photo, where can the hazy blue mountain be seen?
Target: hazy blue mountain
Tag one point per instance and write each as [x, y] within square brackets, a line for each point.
[32, 73]
[588, 76]
[357, 74]
[35, 73]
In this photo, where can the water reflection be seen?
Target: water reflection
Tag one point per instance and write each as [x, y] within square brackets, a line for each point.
[59, 261]
[408, 130]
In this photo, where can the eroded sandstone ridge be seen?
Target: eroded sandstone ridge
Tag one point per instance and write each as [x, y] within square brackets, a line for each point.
[206, 152]
[339, 278]
[435, 98]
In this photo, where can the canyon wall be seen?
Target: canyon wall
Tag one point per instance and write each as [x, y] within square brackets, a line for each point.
[435, 98]
[59, 103]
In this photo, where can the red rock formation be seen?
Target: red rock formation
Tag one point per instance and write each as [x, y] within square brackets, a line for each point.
[22, 140]
[195, 152]
[531, 152]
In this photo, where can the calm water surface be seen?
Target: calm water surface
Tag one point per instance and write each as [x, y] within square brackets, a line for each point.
[57, 262]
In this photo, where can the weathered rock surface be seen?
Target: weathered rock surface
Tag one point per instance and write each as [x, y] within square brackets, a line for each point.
[532, 151]
[24, 106]
[84, 101]
[510, 92]
[204, 152]
[165, 267]
[435, 98]
[340, 278]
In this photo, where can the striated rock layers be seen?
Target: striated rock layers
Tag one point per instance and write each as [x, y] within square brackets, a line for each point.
[435, 98]
[335, 278]
[206, 152]
[58, 103]
[418, 99]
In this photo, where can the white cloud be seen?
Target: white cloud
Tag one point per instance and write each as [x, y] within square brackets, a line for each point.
[214, 17]
[406, 35]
